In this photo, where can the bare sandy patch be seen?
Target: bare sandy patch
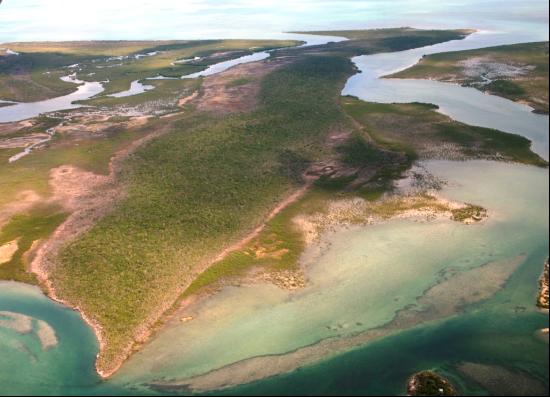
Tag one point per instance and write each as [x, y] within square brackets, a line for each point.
[22, 141]
[220, 97]
[7, 250]
[23, 324]
[489, 68]
[184, 101]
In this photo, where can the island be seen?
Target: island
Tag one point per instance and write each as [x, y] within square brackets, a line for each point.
[428, 383]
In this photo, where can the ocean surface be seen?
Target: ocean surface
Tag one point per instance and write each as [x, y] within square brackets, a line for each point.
[367, 274]
[32, 20]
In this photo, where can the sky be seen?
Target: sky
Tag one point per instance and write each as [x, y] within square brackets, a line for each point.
[37, 20]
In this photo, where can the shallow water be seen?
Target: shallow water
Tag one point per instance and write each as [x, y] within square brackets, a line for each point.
[464, 104]
[136, 87]
[29, 367]
[222, 66]
[308, 40]
[22, 111]
[357, 274]
[86, 90]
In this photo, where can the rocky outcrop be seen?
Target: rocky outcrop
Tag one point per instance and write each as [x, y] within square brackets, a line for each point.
[542, 300]
[428, 383]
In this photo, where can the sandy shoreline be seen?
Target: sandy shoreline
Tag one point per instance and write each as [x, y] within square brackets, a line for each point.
[88, 197]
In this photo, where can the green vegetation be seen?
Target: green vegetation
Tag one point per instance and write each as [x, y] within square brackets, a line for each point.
[191, 192]
[26, 229]
[409, 34]
[518, 72]
[32, 172]
[505, 88]
[277, 248]
[471, 211]
[428, 383]
[357, 151]
[371, 41]
[418, 129]
[164, 96]
[34, 74]
[210, 179]
[121, 73]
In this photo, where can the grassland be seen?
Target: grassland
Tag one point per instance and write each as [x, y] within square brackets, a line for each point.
[29, 209]
[164, 96]
[518, 72]
[33, 75]
[415, 131]
[32, 172]
[26, 229]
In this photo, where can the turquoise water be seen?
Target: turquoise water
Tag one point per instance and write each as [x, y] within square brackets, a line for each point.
[345, 289]
[365, 276]
[24, 366]
[383, 367]
[356, 285]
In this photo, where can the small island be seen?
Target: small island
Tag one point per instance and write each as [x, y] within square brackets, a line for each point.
[428, 383]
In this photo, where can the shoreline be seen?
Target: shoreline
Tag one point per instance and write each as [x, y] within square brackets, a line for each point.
[464, 82]
[465, 85]
[54, 243]
[145, 332]
[42, 255]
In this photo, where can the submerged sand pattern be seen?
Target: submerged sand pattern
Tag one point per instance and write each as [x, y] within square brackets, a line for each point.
[23, 324]
[449, 297]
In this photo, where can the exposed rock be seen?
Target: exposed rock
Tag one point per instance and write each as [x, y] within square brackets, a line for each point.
[289, 280]
[542, 300]
[428, 383]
